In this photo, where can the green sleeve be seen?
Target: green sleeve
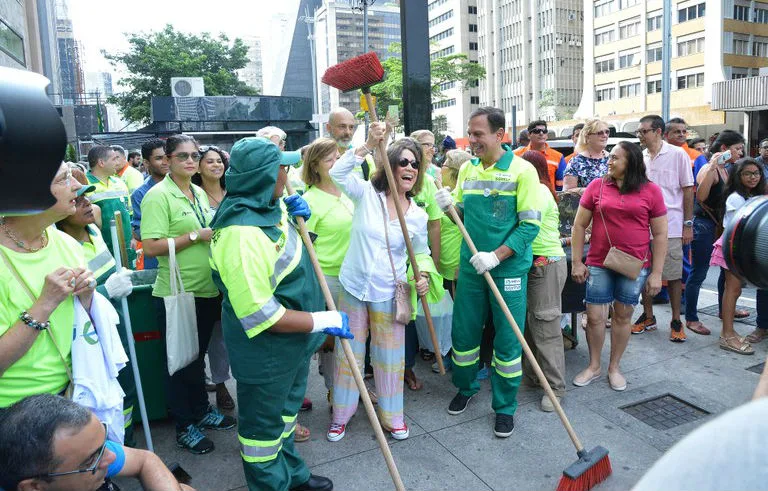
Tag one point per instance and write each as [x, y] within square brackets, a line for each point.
[428, 193]
[530, 207]
[155, 216]
[436, 290]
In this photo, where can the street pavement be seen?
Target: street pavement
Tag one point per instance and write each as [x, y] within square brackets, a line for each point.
[447, 452]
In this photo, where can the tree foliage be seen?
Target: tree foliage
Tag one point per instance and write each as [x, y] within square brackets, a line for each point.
[445, 69]
[152, 59]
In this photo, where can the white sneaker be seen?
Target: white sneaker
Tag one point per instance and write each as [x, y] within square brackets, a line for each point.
[400, 433]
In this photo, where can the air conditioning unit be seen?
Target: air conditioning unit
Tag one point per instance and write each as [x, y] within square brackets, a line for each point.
[187, 87]
[559, 41]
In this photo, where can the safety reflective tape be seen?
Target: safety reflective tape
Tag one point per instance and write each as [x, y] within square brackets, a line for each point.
[529, 215]
[490, 185]
[262, 315]
[466, 358]
[289, 427]
[508, 369]
[128, 417]
[101, 260]
[255, 451]
[105, 195]
[286, 257]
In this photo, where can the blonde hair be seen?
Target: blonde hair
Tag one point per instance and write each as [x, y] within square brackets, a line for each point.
[419, 134]
[590, 126]
[313, 154]
[454, 159]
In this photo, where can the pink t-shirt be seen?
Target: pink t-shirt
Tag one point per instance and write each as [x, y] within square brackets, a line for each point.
[628, 219]
[671, 171]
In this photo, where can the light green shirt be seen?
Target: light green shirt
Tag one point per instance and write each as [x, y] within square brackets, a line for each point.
[132, 178]
[450, 247]
[547, 242]
[426, 199]
[166, 212]
[331, 220]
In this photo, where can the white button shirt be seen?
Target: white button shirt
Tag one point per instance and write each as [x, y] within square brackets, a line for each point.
[366, 272]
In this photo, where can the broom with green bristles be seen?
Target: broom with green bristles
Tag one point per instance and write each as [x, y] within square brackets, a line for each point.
[593, 466]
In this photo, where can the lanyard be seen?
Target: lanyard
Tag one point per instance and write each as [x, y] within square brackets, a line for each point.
[199, 214]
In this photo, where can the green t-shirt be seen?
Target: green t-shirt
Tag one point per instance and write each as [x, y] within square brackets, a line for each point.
[166, 212]
[547, 242]
[426, 199]
[132, 178]
[40, 369]
[450, 248]
[331, 220]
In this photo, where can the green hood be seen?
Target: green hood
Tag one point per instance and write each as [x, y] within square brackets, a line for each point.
[253, 167]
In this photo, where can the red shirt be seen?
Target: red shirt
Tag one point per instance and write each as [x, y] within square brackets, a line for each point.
[628, 218]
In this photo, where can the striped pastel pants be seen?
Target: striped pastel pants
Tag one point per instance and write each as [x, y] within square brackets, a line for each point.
[387, 358]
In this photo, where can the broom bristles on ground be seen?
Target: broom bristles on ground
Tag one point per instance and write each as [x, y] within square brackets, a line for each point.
[590, 478]
[355, 73]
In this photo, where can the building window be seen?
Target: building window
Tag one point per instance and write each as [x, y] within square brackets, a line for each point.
[653, 23]
[760, 48]
[472, 46]
[628, 59]
[629, 90]
[628, 3]
[654, 87]
[690, 81]
[692, 12]
[605, 66]
[474, 99]
[605, 37]
[11, 43]
[690, 47]
[441, 18]
[436, 3]
[473, 28]
[761, 15]
[740, 12]
[605, 7]
[472, 10]
[441, 35]
[653, 53]
[740, 47]
[605, 94]
[443, 52]
[629, 28]
[447, 85]
[444, 104]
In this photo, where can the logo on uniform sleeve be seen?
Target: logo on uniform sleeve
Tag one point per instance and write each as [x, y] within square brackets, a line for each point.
[513, 284]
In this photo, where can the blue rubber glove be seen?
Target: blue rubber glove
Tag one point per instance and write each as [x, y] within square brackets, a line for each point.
[332, 323]
[297, 207]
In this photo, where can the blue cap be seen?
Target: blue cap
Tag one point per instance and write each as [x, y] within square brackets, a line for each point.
[449, 143]
[290, 158]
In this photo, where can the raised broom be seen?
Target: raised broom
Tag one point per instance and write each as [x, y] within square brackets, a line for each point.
[592, 467]
[350, 355]
[362, 72]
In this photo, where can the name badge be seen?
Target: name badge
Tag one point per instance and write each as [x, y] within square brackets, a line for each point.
[513, 284]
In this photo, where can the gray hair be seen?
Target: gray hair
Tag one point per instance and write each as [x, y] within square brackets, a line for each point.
[28, 429]
[270, 131]
[119, 149]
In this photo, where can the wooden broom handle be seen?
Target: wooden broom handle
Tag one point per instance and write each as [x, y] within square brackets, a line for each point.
[526, 349]
[121, 240]
[404, 228]
[369, 410]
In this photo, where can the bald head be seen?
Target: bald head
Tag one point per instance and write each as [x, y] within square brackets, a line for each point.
[341, 127]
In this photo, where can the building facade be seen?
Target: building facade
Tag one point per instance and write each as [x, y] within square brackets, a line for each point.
[623, 80]
[532, 51]
[70, 58]
[252, 73]
[98, 83]
[453, 29]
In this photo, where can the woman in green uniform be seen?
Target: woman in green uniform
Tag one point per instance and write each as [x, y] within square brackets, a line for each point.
[273, 318]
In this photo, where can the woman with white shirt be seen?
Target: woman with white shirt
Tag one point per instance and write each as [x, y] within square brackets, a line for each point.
[367, 278]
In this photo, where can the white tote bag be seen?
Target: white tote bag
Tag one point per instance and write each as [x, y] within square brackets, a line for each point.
[181, 341]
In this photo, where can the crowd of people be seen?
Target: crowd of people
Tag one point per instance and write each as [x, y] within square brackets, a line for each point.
[224, 224]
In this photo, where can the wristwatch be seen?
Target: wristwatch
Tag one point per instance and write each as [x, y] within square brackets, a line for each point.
[688, 223]
[193, 236]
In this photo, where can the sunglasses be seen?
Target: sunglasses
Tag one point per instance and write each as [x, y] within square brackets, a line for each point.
[407, 162]
[601, 133]
[96, 459]
[537, 131]
[204, 149]
[184, 156]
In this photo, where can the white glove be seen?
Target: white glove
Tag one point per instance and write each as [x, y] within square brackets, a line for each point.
[119, 285]
[484, 261]
[332, 323]
[444, 199]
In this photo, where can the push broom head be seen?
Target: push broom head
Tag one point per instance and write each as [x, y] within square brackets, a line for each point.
[591, 469]
[356, 73]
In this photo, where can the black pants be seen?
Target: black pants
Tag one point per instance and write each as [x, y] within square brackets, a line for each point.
[185, 389]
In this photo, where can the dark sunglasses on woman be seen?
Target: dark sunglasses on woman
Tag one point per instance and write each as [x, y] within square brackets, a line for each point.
[407, 162]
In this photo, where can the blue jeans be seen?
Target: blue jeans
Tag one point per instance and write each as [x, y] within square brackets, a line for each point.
[701, 252]
[604, 286]
[762, 309]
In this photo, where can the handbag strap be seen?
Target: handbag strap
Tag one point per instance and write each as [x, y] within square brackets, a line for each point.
[177, 286]
[385, 215]
[605, 224]
[32, 297]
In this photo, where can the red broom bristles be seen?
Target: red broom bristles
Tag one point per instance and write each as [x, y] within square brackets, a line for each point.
[355, 73]
[589, 479]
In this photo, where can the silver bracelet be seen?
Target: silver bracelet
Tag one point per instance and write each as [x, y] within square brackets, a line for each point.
[28, 320]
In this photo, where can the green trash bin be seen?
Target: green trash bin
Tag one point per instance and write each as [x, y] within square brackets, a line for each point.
[150, 345]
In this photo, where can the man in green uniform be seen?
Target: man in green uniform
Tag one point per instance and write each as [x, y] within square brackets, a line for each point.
[498, 194]
[272, 314]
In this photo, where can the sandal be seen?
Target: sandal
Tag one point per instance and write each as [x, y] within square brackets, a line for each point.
[698, 328]
[301, 433]
[413, 382]
[736, 344]
[427, 355]
[757, 335]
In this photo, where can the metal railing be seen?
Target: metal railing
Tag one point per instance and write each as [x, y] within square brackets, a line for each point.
[743, 94]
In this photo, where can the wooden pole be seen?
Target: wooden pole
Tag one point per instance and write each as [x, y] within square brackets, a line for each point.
[349, 354]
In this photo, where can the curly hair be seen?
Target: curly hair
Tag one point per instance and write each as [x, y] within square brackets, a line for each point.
[394, 151]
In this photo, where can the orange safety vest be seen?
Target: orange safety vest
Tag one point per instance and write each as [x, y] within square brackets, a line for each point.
[553, 162]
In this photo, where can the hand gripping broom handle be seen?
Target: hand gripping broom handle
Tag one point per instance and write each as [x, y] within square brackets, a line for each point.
[370, 411]
[520, 338]
[408, 245]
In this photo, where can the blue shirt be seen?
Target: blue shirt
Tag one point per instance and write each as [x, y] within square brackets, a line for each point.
[116, 466]
[136, 199]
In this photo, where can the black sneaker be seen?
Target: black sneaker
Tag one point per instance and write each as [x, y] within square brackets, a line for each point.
[194, 440]
[504, 426]
[459, 404]
[214, 420]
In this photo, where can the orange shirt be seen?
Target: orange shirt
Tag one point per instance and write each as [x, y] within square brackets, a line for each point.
[555, 164]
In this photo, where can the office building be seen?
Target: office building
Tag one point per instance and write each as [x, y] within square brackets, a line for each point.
[98, 83]
[712, 41]
[252, 73]
[70, 57]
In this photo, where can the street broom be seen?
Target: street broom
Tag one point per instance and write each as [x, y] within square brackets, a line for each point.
[593, 466]
[362, 72]
[350, 355]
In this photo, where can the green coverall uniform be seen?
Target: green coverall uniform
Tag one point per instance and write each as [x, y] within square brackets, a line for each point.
[500, 207]
[261, 266]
